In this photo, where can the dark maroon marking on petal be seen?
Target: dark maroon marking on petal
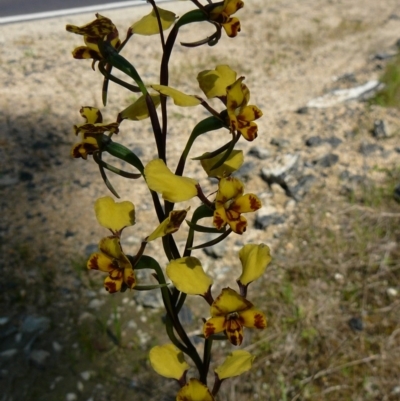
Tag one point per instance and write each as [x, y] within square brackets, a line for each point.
[209, 330]
[218, 221]
[241, 227]
[259, 321]
[110, 287]
[255, 203]
[93, 262]
[131, 282]
[257, 114]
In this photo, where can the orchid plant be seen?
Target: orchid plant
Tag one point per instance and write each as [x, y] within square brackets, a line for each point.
[231, 311]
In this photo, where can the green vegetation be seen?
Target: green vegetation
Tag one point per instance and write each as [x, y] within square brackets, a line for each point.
[389, 96]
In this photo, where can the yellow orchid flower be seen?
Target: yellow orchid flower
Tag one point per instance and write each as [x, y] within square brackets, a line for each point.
[230, 165]
[241, 115]
[91, 132]
[188, 276]
[112, 260]
[230, 203]
[194, 390]
[222, 12]
[214, 82]
[230, 312]
[168, 361]
[101, 29]
[173, 188]
[170, 225]
[236, 363]
[255, 259]
[114, 216]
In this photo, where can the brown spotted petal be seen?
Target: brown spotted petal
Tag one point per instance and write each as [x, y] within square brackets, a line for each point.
[100, 27]
[111, 259]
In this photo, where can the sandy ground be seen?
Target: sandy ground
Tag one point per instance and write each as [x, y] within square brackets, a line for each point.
[289, 51]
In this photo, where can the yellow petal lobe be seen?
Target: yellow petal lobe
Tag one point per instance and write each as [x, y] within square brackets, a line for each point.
[180, 99]
[148, 25]
[254, 259]
[114, 216]
[168, 361]
[194, 390]
[173, 188]
[236, 363]
[188, 276]
[230, 165]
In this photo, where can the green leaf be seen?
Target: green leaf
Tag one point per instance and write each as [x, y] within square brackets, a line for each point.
[121, 152]
[192, 16]
[121, 63]
[203, 229]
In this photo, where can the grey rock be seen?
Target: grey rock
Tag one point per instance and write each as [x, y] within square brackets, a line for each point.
[334, 141]
[35, 324]
[8, 180]
[96, 303]
[313, 141]
[302, 110]
[368, 148]
[383, 56]
[185, 315]
[303, 186]
[280, 167]
[259, 153]
[9, 353]
[91, 248]
[397, 149]
[328, 160]
[279, 142]
[380, 129]
[149, 299]
[264, 221]
[216, 251]
[245, 172]
[337, 96]
[39, 357]
[4, 320]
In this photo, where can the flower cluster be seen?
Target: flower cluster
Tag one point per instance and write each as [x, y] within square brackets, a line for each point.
[231, 311]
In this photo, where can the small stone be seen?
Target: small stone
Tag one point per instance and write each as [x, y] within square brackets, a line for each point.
[4, 320]
[96, 303]
[356, 324]
[131, 324]
[91, 248]
[86, 375]
[368, 148]
[216, 251]
[380, 129]
[150, 299]
[8, 180]
[279, 142]
[56, 346]
[339, 278]
[71, 397]
[259, 153]
[328, 160]
[35, 324]
[245, 172]
[302, 110]
[79, 386]
[9, 353]
[334, 141]
[38, 357]
[313, 141]
[392, 292]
